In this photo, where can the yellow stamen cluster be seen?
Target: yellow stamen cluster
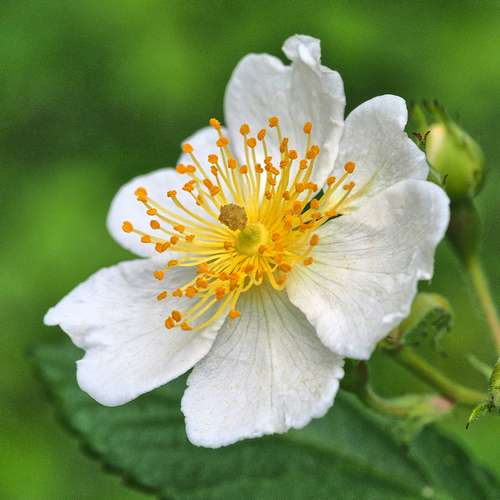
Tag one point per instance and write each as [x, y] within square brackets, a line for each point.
[258, 221]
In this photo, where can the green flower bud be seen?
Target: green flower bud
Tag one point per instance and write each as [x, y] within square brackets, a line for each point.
[457, 157]
[431, 316]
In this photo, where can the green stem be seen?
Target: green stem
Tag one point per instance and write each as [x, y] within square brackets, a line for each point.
[480, 284]
[385, 406]
[447, 387]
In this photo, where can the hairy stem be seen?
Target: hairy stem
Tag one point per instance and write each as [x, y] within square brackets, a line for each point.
[483, 292]
[444, 385]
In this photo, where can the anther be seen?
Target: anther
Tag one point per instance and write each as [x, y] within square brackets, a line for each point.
[213, 122]
[176, 315]
[154, 224]
[308, 127]
[162, 295]
[146, 238]
[127, 227]
[308, 261]
[349, 167]
[234, 314]
[273, 121]
[285, 267]
[245, 129]
[187, 148]
[159, 275]
[314, 240]
[169, 323]
[185, 326]
[261, 134]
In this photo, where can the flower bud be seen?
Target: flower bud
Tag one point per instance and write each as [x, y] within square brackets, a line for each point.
[457, 157]
[431, 316]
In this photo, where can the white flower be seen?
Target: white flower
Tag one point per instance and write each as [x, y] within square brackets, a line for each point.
[259, 285]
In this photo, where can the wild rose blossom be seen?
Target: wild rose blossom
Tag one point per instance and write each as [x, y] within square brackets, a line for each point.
[276, 248]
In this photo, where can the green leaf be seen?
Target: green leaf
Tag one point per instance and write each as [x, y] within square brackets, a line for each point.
[348, 454]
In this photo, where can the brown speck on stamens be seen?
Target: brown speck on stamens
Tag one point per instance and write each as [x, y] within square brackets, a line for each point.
[233, 216]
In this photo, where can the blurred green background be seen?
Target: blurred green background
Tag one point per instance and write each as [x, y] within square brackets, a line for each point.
[93, 93]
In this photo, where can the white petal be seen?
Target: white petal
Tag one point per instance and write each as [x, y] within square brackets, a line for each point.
[116, 318]
[126, 207]
[367, 266]
[375, 140]
[262, 86]
[267, 372]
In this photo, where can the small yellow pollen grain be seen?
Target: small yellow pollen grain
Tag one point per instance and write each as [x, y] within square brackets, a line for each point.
[285, 267]
[159, 275]
[201, 283]
[127, 226]
[203, 268]
[213, 122]
[314, 240]
[141, 192]
[222, 142]
[349, 167]
[273, 121]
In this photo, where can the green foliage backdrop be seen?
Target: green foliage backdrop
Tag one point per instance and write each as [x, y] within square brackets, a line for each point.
[93, 93]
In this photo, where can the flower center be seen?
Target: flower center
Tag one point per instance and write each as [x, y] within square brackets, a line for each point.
[257, 221]
[250, 239]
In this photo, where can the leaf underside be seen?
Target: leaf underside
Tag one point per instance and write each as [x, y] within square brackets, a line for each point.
[348, 454]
